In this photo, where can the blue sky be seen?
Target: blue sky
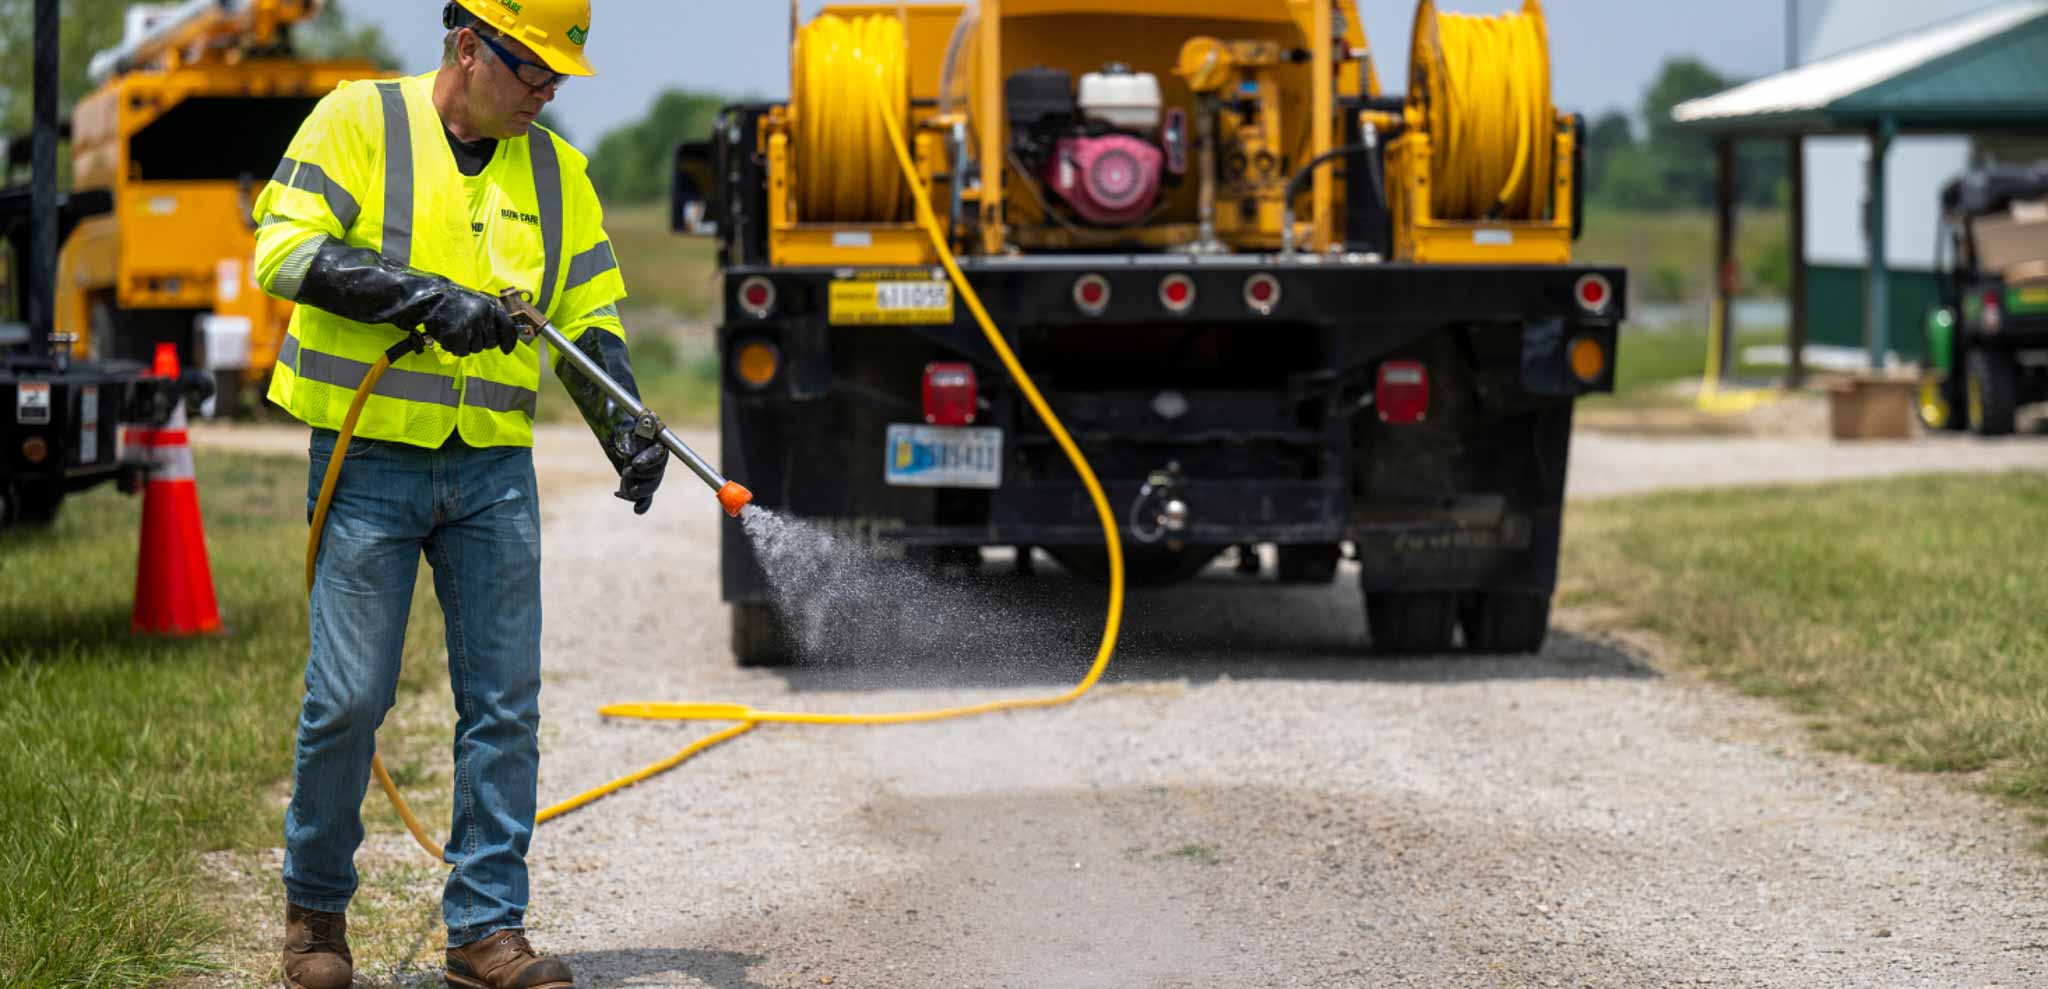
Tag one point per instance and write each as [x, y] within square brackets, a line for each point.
[1603, 52]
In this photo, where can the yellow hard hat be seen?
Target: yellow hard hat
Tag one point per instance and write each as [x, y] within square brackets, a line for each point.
[554, 29]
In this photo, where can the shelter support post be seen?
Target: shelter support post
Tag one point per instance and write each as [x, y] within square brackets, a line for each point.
[1876, 332]
[1724, 248]
[1795, 315]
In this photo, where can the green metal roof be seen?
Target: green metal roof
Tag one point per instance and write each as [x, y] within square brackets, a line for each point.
[1982, 72]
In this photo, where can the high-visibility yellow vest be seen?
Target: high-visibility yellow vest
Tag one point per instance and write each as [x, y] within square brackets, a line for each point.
[371, 166]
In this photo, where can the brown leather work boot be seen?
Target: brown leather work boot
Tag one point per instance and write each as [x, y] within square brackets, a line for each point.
[316, 954]
[505, 961]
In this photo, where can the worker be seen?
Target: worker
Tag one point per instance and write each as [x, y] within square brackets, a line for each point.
[406, 206]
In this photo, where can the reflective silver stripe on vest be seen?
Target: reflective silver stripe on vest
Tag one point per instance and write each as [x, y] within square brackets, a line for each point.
[415, 386]
[496, 397]
[590, 264]
[547, 189]
[411, 386]
[398, 178]
[308, 177]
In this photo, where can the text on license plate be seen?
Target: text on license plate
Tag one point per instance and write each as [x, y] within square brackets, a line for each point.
[867, 303]
[943, 456]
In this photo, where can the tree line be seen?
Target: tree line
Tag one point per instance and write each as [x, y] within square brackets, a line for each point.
[1661, 166]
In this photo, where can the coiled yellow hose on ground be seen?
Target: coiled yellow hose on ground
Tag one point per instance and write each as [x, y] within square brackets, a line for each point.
[1483, 84]
[887, 115]
[844, 67]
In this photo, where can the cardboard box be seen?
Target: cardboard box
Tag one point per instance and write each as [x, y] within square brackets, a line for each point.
[2012, 239]
[1871, 407]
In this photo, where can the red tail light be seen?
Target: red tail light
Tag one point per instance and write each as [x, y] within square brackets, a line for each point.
[1993, 318]
[1177, 293]
[1594, 293]
[1262, 293]
[950, 393]
[1402, 394]
[1091, 294]
[757, 297]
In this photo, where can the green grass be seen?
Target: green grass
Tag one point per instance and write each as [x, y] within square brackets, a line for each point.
[1900, 618]
[1197, 853]
[123, 758]
[663, 270]
[1670, 255]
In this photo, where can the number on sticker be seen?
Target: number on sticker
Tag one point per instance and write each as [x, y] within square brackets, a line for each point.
[913, 295]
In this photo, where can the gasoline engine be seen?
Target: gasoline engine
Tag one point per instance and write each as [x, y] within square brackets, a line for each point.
[1107, 151]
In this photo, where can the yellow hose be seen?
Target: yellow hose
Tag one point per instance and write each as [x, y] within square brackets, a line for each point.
[748, 717]
[1483, 86]
[843, 169]
[1712, 399]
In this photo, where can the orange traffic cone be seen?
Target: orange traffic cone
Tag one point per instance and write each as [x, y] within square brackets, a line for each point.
[173, 582]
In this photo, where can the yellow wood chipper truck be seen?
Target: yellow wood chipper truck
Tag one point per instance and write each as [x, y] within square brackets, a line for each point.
[1276, 304]
[62, 421]
[191, 113]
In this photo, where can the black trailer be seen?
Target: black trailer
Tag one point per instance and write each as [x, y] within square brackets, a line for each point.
[60, 420]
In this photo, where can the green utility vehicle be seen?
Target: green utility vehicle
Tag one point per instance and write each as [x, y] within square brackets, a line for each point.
[1987, 339]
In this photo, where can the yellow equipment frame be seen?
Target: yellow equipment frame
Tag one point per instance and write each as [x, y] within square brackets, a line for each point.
[179, 245]
[1419, 235]
[1027, 32]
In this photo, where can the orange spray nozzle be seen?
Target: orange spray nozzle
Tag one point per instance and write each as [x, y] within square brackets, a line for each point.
[733, 497]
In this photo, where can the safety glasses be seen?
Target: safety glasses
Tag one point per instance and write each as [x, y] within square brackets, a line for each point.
[536, 76]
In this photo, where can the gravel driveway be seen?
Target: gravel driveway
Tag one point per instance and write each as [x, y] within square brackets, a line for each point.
[1245, 801]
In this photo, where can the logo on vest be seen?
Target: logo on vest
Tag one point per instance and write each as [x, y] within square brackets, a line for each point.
[577, 34]
[507, 213]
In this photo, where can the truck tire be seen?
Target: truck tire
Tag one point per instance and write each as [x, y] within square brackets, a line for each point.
[1309, 564]
[1994, 390]
[231, 395]
[1941, 403]
[34, 505]
[759, 638]
[1411, 623]
[1505, 622]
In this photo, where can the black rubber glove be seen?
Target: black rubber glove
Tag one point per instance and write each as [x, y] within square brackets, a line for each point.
[640, 460]
[360, 284]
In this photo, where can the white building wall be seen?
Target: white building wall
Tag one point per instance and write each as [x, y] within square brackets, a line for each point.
[1917, 166]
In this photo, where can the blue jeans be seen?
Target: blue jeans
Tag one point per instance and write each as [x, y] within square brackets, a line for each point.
[475, 515]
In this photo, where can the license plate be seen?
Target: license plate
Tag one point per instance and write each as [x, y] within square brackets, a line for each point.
[921, 456]
[890, 303]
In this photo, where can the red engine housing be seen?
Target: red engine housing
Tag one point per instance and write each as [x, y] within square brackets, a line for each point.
[1111, 179]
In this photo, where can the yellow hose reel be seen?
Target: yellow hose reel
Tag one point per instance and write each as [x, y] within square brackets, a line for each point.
[1480, 87]
[845, 69]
